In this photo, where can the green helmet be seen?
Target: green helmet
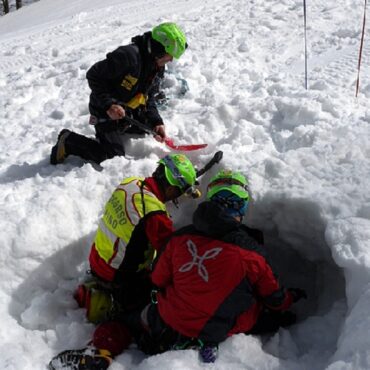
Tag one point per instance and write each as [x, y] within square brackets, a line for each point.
[233, 182]
[179, 171]
[171, 37]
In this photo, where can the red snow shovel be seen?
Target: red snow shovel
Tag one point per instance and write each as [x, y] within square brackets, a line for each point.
[168, 141]
[189, 147]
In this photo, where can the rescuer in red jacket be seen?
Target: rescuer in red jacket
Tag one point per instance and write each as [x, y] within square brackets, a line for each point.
[214, 278]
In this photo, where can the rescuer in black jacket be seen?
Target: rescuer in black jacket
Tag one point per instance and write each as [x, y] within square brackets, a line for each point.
[124, 85]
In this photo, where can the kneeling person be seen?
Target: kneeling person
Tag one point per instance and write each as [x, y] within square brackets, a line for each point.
[135, 225]
[214, 279]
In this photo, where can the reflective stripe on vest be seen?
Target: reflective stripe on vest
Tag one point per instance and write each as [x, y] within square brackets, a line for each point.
[122, 213]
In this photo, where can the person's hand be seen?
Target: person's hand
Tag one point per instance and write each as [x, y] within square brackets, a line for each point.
[297, 294]
[160, 133]
[116, 112]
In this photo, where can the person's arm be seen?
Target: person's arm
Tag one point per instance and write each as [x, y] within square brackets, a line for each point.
[274, 296]
[158, 228]
[259, 270]
[162, 272]
[267, 286]
[106, 74]
[153, 117]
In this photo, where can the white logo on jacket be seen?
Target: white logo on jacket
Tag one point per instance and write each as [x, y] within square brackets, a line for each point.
[198, 260]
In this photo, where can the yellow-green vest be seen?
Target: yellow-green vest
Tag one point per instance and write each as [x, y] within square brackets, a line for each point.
[122, 213]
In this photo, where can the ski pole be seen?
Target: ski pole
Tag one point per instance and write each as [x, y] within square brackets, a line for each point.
[305, 44]
[360, 52]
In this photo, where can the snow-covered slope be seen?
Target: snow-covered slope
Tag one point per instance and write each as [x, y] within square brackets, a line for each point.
[306, 154]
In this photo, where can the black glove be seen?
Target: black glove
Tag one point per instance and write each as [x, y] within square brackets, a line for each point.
[297, 294]
[287, 318]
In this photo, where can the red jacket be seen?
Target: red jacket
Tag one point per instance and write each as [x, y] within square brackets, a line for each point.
[214, 278]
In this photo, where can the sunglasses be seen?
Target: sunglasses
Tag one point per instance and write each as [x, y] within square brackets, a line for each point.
[230, 201]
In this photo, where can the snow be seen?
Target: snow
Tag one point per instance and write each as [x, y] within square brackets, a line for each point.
[305, 152]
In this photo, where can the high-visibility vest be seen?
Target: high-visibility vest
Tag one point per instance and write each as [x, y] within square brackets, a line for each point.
[128, 204]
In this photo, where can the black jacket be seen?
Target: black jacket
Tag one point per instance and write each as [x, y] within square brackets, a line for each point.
[125, 72]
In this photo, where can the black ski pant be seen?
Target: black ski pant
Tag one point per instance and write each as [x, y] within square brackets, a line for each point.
[109, 142]
[153, 338]
[131, 290]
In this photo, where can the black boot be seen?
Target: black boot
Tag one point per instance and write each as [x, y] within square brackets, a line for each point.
[58, 152]
[70, 143]
[83, 359]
